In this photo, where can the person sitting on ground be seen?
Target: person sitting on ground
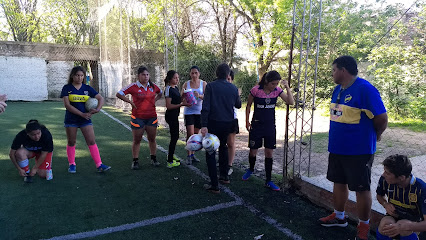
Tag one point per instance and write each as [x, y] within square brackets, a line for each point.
[404, 198]
[34, 141]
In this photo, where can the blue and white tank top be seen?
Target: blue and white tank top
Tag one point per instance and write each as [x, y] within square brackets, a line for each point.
[195, 109]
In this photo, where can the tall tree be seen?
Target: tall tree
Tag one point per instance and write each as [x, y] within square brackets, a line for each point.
[68, 22]
[22, 19]
[228, 26]
[269, 22]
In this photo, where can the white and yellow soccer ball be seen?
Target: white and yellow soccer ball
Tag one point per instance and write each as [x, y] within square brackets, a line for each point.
[194, 142]
[211, 142]
[91, 103]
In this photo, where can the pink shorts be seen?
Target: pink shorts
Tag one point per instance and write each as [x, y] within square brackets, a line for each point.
[47, 163]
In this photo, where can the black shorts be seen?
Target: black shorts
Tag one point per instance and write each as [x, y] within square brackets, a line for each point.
[235, 126]
[354, 170]
[262, 133]
[193, 119]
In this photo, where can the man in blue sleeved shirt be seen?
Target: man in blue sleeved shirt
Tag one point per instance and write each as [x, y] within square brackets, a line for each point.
[217, 116]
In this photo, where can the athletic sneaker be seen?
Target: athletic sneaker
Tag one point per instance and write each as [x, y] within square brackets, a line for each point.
[194, 159]
[173, 164]
[230, 171]
[72, 169]
[247, 175]
[211, 189]
[135, 165]
[176, 159]
[188, 160]
[28, 179]
[155, 163]
[224, 180]
[332, 221]
[103, 168]
[272, 186]
[363, 230]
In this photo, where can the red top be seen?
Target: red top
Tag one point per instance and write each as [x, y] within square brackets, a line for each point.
[144, 99]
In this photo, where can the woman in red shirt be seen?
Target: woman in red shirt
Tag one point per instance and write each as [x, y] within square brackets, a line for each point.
[144, 117]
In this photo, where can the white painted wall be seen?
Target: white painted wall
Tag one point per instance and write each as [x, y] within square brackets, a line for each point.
[23, 78]
[57, 77]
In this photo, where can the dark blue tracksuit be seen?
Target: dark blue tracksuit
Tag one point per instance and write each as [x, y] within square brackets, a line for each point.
[217, 115]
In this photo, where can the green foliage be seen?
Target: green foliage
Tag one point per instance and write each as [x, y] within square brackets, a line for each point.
[415, 125]
[67, 22]
[245, 81]
[200, 55]
[23, 20]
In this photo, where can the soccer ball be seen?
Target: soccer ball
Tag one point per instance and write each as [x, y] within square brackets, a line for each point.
[91, 103]
[211, 142]
[194, 142]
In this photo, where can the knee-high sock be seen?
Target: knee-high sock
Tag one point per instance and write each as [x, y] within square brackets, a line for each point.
[252, 162]
[379, 236]
[71, 154]
[94, 152]
[268, 169]
[24, 165]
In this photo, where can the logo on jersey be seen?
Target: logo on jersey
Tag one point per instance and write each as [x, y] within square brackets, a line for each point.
[267, 100]
[336, 112]
[252, 143]
[348, 98]
[412, 197]
[86, 92]
[69, 92]
[139, 90]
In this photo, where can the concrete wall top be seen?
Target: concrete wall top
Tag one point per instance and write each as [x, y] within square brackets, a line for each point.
[49, 51]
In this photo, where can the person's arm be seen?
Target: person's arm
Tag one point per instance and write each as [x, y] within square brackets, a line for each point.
[74, 110]
[395, 229]
[287, 98]
[389, 207]
[171, 106]
[248, 108]
[380, 123]
[125, 99]
[101, 102]
[205, 111]
[201, 96]
[15, 163]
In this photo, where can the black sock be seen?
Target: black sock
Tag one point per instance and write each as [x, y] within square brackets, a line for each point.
[154, 158]
[135, 159]
[268, 169]
[252, 162]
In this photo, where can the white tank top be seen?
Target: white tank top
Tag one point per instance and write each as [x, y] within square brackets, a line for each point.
[195, 109]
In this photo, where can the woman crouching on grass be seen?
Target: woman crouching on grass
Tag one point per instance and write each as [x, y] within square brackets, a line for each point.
[34, 141]
[75, 94]
[173, 104]
[262, 126]
[144, 117]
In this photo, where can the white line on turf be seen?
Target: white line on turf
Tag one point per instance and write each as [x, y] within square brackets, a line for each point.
[147, 222]
[238, 201]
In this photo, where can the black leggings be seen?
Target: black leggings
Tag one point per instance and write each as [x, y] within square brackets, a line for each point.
[173, 121]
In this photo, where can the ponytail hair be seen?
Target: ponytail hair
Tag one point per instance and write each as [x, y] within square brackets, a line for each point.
[32, 125]
[269, 77]
[170, 74]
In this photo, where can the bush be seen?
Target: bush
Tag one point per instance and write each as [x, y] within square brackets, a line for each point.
[245, 81]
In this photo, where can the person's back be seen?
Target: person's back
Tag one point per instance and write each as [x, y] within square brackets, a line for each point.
[223, 98]
[217, 116]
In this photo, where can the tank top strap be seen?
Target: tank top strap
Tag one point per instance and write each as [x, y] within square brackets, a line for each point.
[188, 85]
[201, 87]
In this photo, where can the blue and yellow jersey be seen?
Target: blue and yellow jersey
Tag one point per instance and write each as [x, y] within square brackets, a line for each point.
[77, 99]
[409, 202]
[351, 118]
